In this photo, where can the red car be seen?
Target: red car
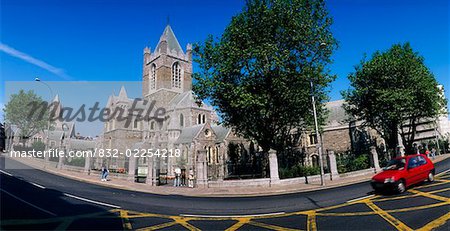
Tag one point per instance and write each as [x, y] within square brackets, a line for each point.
[402, 172]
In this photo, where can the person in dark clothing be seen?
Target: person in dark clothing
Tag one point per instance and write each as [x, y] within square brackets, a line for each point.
[2, 138]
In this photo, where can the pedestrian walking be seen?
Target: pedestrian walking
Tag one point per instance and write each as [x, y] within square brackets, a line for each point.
[183, 177]
[191, 178]
[176, 181]
[104, 173]
[433, 153]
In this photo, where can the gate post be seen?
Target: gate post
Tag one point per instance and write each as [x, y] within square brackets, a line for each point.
[131, 168]
[151, 178]
[374, 159]
[202, 176]
[333, 165]
[273, 167]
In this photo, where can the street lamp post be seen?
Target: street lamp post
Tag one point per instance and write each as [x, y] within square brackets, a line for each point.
[48, 123]
[316, 124]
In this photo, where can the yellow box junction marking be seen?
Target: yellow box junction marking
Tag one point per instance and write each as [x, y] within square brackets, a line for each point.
[394, 221]
[126, 215]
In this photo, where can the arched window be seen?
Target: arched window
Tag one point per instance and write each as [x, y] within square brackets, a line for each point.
[152, 125]
[136, 123]
[217, 154]
[203, 118]
[315, 160]
[181, 120]
[176, 75]
[210, 155]
[153, 77]
[199, 119]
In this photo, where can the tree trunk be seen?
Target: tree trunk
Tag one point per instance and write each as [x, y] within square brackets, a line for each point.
[391, 137]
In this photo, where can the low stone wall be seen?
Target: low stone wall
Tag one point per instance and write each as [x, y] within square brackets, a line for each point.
[73, 168]
[284, 182]
[358, 173]
[265, 182]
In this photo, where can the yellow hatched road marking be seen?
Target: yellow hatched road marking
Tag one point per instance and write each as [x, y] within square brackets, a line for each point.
[160, 226]
[184, 222]
[125, 221]
[409, 196]
[441, 182]
[311, 225]
[239, 224]
[273, 227]
[436, 223]
[429, 195]
[394, 221]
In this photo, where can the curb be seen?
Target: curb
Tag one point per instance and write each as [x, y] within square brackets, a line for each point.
[218, 195]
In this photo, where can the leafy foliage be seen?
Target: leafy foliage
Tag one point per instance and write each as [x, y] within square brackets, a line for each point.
[38, 146]
[298, 171]
[257, 74]
[19, 112]
[349, 162]
[392, 92]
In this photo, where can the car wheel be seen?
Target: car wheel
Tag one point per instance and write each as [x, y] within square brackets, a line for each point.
[401, 188]
[430, 177]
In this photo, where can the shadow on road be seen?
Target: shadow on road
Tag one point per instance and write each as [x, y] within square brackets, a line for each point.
[26, 206]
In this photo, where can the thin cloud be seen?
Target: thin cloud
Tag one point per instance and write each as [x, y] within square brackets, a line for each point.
[28, 58]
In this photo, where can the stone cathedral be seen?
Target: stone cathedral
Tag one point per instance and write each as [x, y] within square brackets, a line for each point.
[189, 125]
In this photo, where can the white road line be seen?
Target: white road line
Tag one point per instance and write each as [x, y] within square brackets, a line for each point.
[7, 173]
[361, 198]
[442, 173]
[91, 201]
[222, 216]
[28, 203]
[37, 185]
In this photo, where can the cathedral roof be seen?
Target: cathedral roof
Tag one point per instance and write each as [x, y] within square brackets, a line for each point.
[172, 41]
[188, 134]
[54, 135]
[186, 99]
[123, 93]
[337, 115]
[221, 132]
[56, 99]
[78, 144]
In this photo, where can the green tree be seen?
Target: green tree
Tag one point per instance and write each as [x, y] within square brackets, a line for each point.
[19, 111]
[392, 92]
[257, 74]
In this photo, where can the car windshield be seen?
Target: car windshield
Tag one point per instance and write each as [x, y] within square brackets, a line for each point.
[395, 164]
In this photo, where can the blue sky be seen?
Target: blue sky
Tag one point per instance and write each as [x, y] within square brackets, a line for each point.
[102, 40]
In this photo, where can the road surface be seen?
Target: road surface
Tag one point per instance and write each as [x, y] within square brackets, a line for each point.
[34, 199]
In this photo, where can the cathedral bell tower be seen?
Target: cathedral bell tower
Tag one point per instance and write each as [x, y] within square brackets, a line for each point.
[168, 67]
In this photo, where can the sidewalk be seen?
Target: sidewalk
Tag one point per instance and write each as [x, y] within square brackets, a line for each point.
[207, 192]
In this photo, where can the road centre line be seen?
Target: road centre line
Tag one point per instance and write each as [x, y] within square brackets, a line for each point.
[360, 198]
[6, 173]
[37, 185]
[91, 201]
[232, 216]
[28, 203]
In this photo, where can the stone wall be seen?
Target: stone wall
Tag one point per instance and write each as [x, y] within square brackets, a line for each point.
[338, 140]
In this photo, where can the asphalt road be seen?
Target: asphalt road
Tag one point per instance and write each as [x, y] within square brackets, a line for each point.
[34, 199]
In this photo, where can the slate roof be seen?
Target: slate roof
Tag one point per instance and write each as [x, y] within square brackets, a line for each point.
[172, 41]
[54, 135]
[336, 115]
[186, 99]
[221, 132]
[188, 134]
[77, 144]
